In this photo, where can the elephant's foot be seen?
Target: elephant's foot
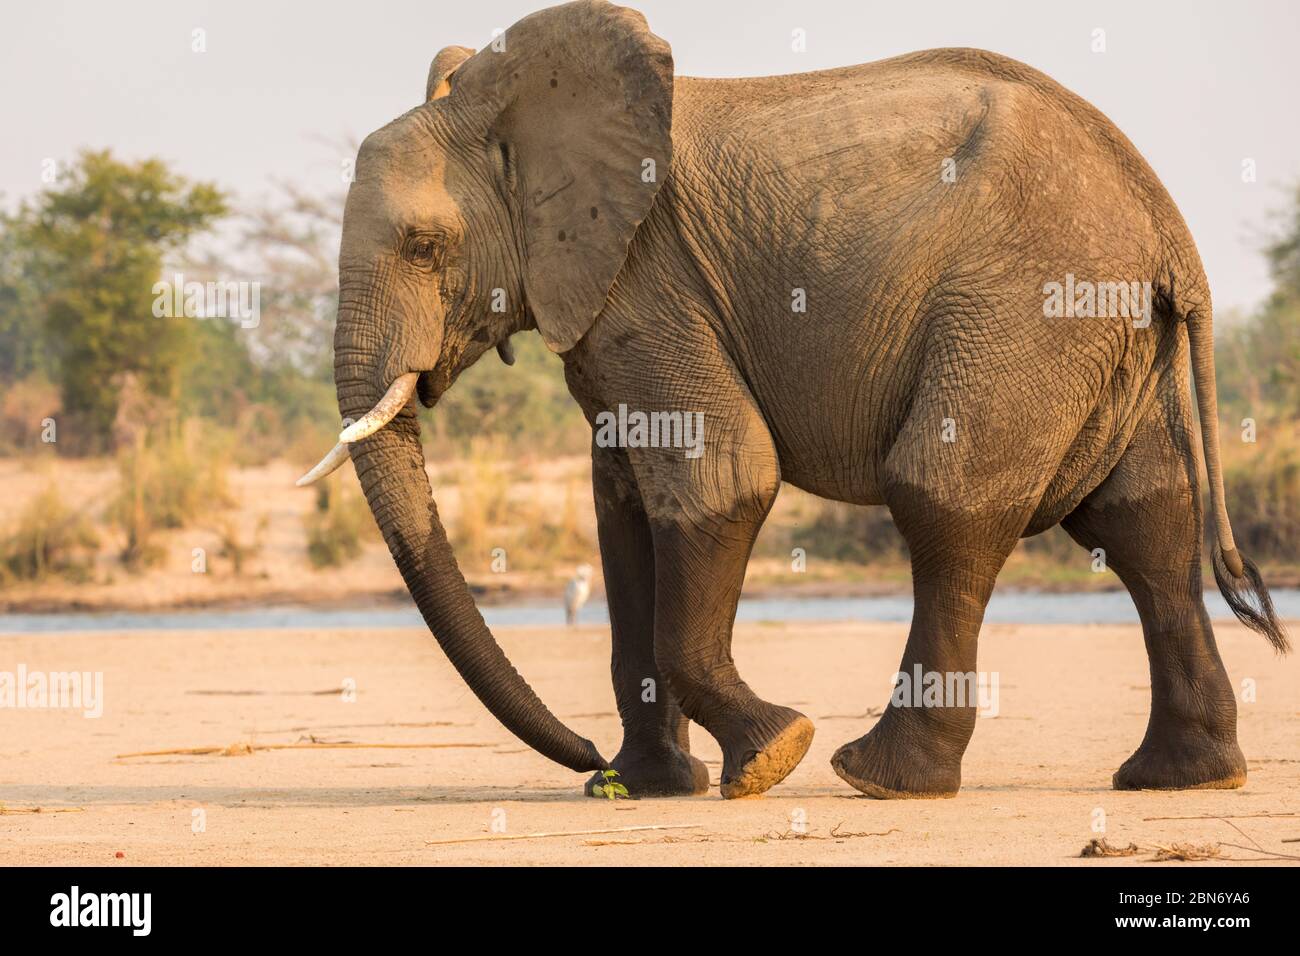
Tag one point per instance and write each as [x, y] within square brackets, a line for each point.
[764, 756]
[887, 766]
[662, 771]
[1196, 763]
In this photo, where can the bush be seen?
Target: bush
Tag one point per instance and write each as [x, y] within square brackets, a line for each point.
[169, 482]
[24, 405]
[237, 550]
[832, 531]
[337, 528]
[49, 540]
[1263, 490]
[484, 506]
[545, 539]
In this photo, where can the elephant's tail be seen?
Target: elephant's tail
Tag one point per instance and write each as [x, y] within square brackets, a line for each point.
[1237, 576]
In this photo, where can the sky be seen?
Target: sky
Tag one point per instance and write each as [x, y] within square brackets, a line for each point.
[280, 87]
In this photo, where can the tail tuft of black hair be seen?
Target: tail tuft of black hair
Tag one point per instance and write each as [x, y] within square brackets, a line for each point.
[1249, 599]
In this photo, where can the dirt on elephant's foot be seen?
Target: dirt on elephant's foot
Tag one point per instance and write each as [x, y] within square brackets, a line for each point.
[887, 772]
[1208, 765]
[769, 766]
[659, 772]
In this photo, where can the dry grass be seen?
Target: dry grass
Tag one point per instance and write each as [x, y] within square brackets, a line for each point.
[167, 482]
[339, 526]
[48, 540]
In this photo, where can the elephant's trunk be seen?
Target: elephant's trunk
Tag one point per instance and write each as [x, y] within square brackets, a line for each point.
[390, 466]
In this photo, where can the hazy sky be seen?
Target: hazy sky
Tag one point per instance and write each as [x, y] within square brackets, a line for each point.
[1198, 86]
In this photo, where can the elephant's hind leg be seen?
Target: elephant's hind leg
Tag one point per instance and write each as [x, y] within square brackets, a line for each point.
[915, 749]
[655, 759]
[961, 511]
[1146, 516]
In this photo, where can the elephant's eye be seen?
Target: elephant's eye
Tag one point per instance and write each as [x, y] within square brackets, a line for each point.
[422, 250]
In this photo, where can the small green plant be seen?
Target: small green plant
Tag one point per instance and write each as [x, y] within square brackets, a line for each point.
[610, 788]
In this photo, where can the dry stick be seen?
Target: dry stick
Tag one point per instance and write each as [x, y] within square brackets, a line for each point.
[1268, 814]
[234, 749]
[562, 833]
[1256, 848]
[4, 811]
[1268, 854]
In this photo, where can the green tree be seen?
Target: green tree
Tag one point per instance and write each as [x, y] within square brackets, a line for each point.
[89, 251]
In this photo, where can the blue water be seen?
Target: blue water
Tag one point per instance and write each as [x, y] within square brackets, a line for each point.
[1011, 607]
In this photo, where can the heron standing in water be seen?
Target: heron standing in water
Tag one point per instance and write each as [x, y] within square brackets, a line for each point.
[576, 593]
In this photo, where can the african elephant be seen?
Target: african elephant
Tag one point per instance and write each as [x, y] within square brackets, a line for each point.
[853, 278]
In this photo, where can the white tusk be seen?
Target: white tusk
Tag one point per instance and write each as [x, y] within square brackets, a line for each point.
[331, 462]
[398, 394]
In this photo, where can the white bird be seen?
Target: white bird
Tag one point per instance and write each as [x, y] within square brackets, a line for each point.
[576, 593]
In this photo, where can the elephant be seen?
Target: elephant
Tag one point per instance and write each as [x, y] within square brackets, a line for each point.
[901, 283]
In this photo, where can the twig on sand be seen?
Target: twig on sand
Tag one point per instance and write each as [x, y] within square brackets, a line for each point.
[5, 811]
[240, 749]
[839, 834]
[1191, 852]
[1102, 848]
[1186, 852]
[870, 712]
[1255, 847]
[1268, 854]
[1267, 815]
[327, 692]
[562, 833]
[836, 834]
[1162, 853]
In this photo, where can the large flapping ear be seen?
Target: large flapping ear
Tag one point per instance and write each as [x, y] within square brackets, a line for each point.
[579, 99]
[440, 70]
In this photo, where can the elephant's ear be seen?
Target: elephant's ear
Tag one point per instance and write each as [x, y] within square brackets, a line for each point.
[579, 99]
[449, 58]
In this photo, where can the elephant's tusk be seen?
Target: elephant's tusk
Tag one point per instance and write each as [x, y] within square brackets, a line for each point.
[330, 463]
[398, 394]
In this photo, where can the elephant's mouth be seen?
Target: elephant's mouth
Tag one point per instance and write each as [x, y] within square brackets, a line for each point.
[427, 392]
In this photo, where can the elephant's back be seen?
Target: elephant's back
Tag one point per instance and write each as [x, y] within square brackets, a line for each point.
[846, 221]
[1018, 141]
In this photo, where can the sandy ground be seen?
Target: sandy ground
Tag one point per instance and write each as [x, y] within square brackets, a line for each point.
[1073, 704]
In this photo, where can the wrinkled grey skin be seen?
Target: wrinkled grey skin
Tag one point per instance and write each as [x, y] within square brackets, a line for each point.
[923, 375]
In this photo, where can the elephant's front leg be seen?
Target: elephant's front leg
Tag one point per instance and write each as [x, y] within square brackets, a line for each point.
[655, 759]
[705, 514]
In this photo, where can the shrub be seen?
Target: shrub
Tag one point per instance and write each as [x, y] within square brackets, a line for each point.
[24, 405]
[484, 505]
[235, 549]
[1262, 483]
[337, 528]
[168, 482]
[49, 540]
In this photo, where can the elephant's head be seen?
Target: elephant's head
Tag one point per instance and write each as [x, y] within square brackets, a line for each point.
[506, 201]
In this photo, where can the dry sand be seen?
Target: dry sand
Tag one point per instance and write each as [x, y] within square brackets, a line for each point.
[1073, 705]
